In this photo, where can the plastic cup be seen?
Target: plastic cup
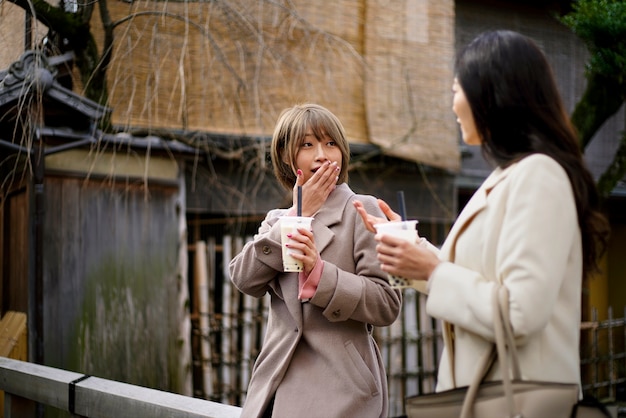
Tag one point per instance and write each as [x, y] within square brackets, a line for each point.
[407, 230]
[289, 225]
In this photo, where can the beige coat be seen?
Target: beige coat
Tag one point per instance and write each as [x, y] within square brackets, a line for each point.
[520, 229]
[319, 357]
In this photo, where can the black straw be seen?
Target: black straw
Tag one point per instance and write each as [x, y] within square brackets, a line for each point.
[402, 205]
[299, 205]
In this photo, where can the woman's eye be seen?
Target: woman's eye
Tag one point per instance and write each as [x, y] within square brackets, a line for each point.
[306, 145]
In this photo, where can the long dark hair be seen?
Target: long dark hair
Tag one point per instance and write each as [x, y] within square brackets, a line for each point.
[518, 111]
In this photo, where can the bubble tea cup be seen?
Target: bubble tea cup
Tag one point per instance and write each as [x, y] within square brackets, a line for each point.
[407, 230]
[290, 225]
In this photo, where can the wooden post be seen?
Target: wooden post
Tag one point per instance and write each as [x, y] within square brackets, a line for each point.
[13, 344]
[15, 406]
[13, 336]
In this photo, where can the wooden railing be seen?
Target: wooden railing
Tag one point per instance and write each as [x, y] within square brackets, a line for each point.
[27, 384]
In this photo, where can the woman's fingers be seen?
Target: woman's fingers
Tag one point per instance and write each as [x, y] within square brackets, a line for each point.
[303, 240]
[325, 179]
[317, 189]
[403, 258]
[368, 220]
[389, 213]
[365, 217]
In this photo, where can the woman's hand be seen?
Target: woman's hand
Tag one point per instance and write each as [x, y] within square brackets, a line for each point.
[303, 240]
[317, 189]
[371, 220]
[406, 259]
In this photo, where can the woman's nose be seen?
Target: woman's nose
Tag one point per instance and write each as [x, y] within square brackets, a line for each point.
[321, 153]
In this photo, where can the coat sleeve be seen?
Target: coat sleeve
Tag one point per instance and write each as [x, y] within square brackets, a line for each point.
[538, 231]
[365, 294]
[260, 260]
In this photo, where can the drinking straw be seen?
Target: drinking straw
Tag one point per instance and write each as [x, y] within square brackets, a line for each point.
[402, 205]
[299, 205]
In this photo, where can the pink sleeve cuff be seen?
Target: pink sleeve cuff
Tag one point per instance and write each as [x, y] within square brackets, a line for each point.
[308, 285]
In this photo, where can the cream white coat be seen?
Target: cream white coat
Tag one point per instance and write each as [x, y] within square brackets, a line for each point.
[520, 229]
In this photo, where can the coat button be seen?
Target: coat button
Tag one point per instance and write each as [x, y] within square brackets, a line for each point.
[266, 249]
[337, 313]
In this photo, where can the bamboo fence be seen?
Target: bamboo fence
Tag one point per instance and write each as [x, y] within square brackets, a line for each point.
[228, 329]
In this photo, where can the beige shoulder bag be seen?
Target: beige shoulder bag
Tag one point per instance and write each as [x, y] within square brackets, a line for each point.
[510, 397]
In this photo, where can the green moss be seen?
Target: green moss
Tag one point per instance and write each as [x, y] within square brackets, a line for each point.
[124, 331]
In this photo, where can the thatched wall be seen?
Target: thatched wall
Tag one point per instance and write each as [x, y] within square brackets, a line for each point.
[230, 66]
[11, 33]
[12, 23]
[384, 68]
[410, 50]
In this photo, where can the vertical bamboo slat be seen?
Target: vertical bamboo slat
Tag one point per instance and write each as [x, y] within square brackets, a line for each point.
[248, 346]
[412, 363]
[227, 340]
[240, 367]
[201, 281]
[215, 389]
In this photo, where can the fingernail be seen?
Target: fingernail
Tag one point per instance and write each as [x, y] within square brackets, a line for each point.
[288, 235]
[299, 172]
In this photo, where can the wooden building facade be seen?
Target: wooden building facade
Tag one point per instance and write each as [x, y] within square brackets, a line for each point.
[130, 220]
[92, 236]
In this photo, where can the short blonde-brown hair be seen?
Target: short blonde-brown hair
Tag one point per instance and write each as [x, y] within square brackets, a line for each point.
[290, 129]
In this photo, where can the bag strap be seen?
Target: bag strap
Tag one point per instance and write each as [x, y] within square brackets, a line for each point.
[503, 336]
[503, 295]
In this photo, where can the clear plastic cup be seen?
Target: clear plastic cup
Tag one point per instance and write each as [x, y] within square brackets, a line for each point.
[407, 230]
[289, 225]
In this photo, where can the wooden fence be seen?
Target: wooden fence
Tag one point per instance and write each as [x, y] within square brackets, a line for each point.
[603, 357]
[228, 329]
[228, 326]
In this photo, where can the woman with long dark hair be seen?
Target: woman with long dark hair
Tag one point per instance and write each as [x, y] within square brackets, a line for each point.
[534, 225]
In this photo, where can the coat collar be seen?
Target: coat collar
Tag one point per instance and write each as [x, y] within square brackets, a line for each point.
[331, 213]
[473, 207]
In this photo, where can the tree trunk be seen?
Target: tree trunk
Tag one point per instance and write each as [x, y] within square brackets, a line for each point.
[616, 171]
[602, 98]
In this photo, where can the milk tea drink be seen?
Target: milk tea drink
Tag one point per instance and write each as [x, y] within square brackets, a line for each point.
[407, 230]
[290, 225]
